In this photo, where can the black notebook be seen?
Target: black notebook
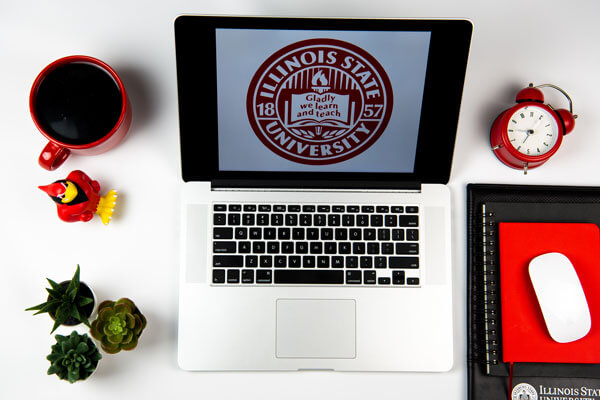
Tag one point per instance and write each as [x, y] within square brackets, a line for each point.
[487, 205]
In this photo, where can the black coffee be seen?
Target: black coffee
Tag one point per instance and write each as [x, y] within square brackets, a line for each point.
[78, 103]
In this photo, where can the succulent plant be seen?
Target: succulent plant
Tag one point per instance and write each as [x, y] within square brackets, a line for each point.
[118, 326]
[74, 357]
[66, 304]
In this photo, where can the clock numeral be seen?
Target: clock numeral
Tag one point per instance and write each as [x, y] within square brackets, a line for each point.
[527, 151]
[531, 114]
[511, 130]
[512, 140]
[519, 148]
[549, 134]
[541, 116]
[522, 115]
[546, 126]
[538, 149]
[545, 144]
[513, 121]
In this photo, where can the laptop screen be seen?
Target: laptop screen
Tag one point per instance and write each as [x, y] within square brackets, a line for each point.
[318, 99]
[301, 101]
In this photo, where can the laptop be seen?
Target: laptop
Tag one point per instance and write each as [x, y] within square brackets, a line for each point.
[315, 213]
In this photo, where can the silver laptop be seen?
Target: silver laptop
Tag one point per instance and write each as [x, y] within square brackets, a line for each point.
[315, 216]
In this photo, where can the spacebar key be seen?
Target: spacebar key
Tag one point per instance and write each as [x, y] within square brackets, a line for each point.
[309, 277]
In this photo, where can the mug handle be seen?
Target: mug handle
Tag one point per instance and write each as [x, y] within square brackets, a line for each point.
[53, 156]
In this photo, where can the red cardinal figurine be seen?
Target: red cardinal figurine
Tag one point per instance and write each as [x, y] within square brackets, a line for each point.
[77, 198]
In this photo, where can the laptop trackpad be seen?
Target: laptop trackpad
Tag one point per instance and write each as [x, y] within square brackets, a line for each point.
[308, 328]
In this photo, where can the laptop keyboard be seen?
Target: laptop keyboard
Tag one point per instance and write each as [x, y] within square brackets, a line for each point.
[288, 244]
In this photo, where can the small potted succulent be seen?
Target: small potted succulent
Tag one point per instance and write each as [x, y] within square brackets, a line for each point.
[69, 302]
[74, 357]
[118, 326]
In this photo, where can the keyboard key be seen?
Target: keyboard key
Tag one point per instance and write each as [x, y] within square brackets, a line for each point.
[369, 234]
[233, 219]
[326, 234]
[305, 219]
[224, 247]
[376, 220]
[333, 220]
[228, 261]
[338, 209]
[312, 233]
[249, 207]
[307, 276]
[411, 234]
[351, 262]
[269, 233]
[266, 261]
[366, 262]
[369, 277]
[264, 207]
[277, 219]
[251, 261]
[407, 248]
[355, 234]
[247, 276]
[391, 220]
[344, 248]
[352, 209]
[279, 208]
[223, 233]
[322, 209]
[348, 220]
[372, 248]
[308, 262]
[291, 219]
[233, 276]
[255, 233]
[380, 262]
[384, 280]
[248, 219]
[293, 208]
[235, 207]
[264, 276]
[294, 261]
[219, 207]
[367, 209]
[272, 247]
[280, 261]
[330, 247]
[316, 248]
[362, 220]
[397, 234]
[398, 277]
[341, 234]
[298, 233]
[244, 247]
[301, 247]
[241, 233]
[358, 248]
[354, 277]
[322, 262]
[218, 275]
[337, 262]
[320, 220]
[219, 219]
[397, 209]
[403, 262]
[258, 247]
[382, 209]
[412, 281]
[387, 248]
[412, 209]
[383, 234]
[308, 208]
[287, 247]
[283, 233]
[262, 219]
[408, 220]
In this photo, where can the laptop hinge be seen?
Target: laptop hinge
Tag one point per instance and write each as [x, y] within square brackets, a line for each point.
[312, 184]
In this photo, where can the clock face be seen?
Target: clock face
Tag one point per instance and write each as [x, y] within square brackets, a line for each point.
[532, 130]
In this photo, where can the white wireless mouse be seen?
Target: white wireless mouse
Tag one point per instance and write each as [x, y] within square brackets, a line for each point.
[561, 297]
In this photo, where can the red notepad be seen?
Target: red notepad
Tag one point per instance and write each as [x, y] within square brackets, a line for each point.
[525, 337]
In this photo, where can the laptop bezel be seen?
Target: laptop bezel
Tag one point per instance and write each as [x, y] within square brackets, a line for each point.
[196, 59]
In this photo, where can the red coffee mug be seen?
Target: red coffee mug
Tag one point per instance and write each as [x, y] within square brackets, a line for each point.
[57, 150]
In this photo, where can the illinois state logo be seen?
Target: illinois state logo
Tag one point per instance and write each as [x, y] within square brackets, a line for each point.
[319, 101]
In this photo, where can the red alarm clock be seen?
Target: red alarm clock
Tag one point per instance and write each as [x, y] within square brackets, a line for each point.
[526, 135]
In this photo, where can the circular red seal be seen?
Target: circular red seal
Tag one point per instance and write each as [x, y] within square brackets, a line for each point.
[319, 101]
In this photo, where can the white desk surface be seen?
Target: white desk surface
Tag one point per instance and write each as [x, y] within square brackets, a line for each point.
[514, 43]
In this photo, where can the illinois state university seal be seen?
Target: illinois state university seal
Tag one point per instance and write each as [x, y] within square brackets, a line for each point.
[319, 101]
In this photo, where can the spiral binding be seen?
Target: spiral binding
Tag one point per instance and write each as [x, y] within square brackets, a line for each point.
[485, 296]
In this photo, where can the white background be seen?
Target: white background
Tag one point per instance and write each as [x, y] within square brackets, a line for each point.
[514, 43]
